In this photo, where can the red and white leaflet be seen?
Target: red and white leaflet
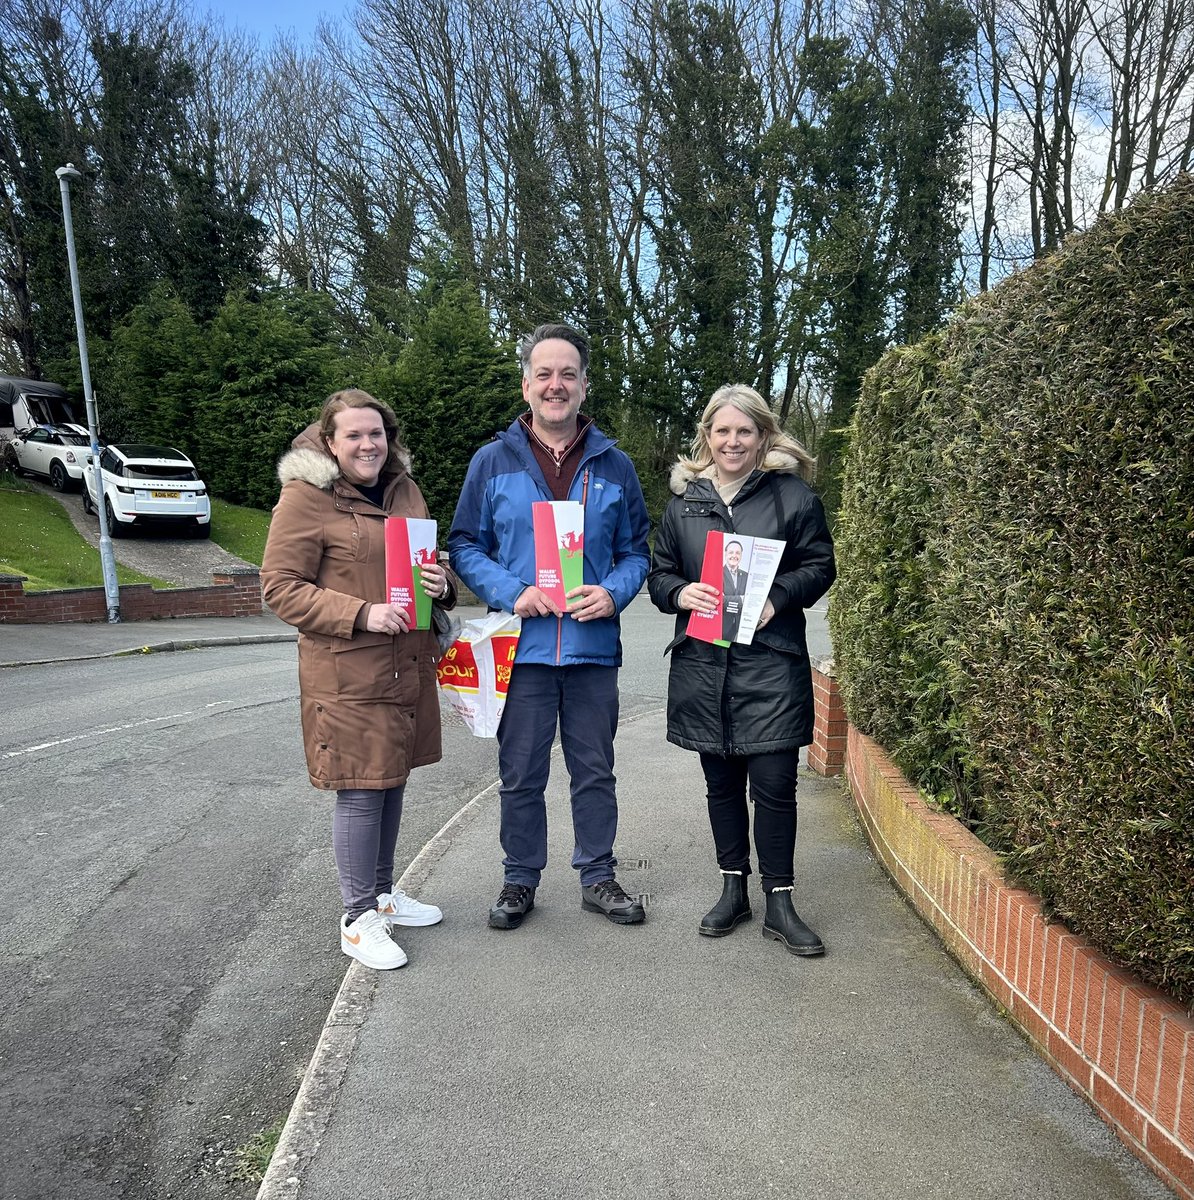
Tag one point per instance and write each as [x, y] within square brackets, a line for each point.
[410, 543]
[762, 555]
[559, 547]
[706, 627]
[742, 569]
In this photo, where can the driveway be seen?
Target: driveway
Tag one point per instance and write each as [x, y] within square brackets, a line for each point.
[181, 561]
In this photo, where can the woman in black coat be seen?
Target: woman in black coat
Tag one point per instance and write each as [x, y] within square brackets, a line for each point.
[746, 708]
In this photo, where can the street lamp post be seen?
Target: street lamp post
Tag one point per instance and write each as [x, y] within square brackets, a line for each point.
[107, 560]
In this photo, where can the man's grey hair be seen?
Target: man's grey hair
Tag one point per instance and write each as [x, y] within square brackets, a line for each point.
[544, 333]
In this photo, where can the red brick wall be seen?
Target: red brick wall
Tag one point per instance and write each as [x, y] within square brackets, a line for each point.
[233, 594]
[827, 754]
[1126, 1047]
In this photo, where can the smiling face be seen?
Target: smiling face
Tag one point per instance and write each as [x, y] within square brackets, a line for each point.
[358, 443]
[733, 556]
[734, 443]
[555, 389]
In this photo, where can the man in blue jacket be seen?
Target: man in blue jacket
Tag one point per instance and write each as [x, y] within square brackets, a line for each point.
[566, 668]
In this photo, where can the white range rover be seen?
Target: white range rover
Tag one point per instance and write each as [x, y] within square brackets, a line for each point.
[149, 485]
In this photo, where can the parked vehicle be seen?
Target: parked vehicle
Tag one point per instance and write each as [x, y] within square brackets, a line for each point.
[27, 403]
[148, 486]
[58, 452]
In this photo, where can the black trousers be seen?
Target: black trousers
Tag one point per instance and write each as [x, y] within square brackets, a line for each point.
[772, 780]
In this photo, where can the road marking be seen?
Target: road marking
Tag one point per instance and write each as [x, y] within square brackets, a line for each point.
[80, 737]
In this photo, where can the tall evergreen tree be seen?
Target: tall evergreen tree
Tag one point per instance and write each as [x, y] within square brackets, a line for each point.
[923, 146]
[275, 356]
[38, 134]
[452, 387]
[709, 119]
[848, 288]
[155, 375]
[137, 124]
[216, 242]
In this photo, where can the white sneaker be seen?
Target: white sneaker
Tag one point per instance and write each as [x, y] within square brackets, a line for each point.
[367, 940]
[399, 909]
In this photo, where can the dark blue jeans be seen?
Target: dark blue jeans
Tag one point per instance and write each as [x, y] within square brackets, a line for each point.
[583, 701]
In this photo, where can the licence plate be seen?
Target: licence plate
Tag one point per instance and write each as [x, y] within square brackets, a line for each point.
[165, 495]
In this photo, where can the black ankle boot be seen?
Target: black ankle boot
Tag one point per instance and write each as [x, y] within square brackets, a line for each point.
[782, 923]
[732, 909]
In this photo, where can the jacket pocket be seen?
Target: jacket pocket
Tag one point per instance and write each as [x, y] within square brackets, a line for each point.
[363, 671]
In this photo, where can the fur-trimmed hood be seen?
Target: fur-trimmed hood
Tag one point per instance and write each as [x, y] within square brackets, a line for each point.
[777, 460]
[310, 461]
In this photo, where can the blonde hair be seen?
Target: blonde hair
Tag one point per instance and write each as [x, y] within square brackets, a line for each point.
[752, 406]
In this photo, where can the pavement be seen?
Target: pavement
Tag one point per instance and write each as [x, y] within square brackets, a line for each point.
[23, 645]
[572, 1057]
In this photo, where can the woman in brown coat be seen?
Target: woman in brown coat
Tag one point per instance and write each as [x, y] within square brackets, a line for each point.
[370, 709]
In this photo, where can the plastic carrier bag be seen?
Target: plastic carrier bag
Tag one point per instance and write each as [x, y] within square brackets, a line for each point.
[474, 673]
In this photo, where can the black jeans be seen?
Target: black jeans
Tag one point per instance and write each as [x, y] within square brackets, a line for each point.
[772, 779]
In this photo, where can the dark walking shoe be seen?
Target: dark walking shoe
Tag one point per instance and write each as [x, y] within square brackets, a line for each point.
[731, 910]
[782, 923]
[608, 898]
[514, 902]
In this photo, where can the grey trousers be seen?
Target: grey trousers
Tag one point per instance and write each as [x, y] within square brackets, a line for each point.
[364, 834]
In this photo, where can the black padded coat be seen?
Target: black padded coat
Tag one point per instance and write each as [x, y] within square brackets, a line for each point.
[757, 698]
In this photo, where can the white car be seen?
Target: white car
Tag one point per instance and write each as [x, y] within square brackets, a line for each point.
[149, 485]
[59, 452]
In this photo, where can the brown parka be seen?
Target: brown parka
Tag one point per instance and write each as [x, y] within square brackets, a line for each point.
[370, 709]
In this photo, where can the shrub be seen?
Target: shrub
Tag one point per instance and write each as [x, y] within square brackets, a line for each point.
[1016, 551]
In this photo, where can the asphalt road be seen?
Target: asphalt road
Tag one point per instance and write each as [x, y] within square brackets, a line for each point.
[170, 953]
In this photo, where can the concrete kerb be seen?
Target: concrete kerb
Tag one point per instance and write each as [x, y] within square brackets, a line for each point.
[315, 1100]
[158, 648]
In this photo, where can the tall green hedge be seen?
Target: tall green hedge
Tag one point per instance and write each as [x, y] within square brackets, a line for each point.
[1014, 615]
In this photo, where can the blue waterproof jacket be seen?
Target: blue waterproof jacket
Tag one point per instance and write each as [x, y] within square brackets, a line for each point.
[492, 542]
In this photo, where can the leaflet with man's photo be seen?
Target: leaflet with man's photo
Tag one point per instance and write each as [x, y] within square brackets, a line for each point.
[742, 569]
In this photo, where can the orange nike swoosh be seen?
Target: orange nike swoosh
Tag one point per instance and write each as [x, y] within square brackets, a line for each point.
[352, 940]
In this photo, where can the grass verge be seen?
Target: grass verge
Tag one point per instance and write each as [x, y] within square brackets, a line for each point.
[241, 531]
[40, 543]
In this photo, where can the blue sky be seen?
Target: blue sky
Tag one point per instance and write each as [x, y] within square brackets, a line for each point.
[266, 17]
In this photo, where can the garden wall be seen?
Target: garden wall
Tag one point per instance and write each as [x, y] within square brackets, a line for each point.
[234, 593]
[1125, 1047]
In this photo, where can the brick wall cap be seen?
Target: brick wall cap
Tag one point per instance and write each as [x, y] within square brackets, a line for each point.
[823, 663]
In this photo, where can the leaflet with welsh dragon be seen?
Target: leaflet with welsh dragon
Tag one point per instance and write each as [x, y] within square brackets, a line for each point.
[410, 544]
[559, 547]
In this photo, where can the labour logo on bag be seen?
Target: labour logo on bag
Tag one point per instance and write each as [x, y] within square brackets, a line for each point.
[458, 668]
